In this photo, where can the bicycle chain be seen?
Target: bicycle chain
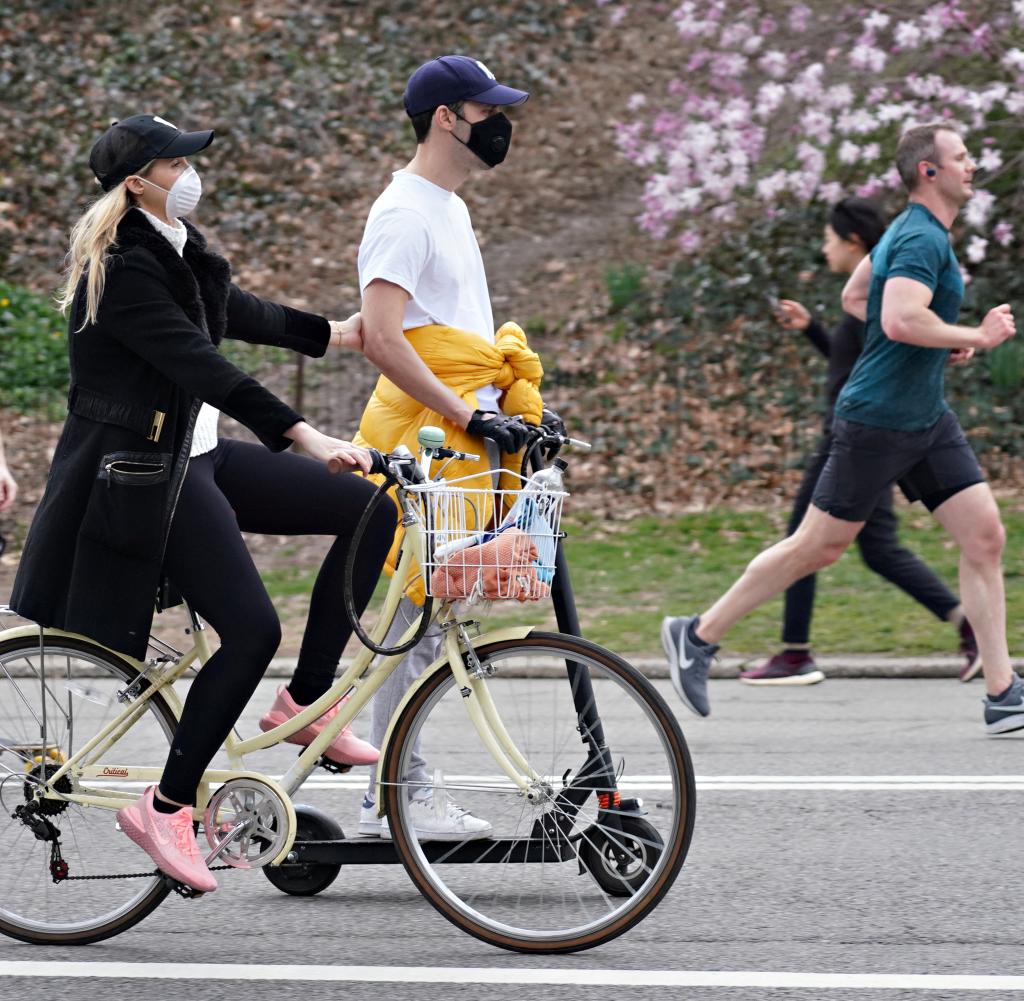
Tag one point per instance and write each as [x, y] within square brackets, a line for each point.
[59, 869]
[134, 875]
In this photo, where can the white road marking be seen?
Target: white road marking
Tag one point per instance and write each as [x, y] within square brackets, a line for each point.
[491, 975]
[711, 783]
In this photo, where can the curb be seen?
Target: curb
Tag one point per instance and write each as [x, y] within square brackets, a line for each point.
[834, 666]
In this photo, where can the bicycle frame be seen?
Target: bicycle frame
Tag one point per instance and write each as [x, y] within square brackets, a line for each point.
[360, 681]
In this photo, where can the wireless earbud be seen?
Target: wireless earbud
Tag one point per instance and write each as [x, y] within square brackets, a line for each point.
[930, 171]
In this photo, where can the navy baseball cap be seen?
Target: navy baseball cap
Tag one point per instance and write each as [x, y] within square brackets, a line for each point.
[456, 78]
[128, 145]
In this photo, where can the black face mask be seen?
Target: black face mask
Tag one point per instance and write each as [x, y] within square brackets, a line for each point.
[489, 139]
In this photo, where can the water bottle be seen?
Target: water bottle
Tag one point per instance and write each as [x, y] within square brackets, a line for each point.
[534, 513]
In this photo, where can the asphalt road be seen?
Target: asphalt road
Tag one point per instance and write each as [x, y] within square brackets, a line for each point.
[850, 829]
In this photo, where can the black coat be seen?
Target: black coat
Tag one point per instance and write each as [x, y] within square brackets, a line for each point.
[92, 560]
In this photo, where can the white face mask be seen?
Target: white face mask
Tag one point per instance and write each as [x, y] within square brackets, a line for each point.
[183, 195]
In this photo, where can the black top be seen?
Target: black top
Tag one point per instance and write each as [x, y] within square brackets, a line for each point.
[842, 347]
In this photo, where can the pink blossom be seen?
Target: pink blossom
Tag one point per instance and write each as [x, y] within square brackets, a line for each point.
[799, 18]
[907, 35]
[831, 192]
[990, 159]
[867, 57]
[976, 249]
[979, 208]
[839, 96]
[871, 187]
[1002, 233]
[774, 63]
[689, 241]
[1013, 60]
[636, 102]
[849, 153]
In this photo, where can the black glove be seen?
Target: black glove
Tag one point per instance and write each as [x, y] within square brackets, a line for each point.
[510, 434]
[551, 421]
[377, 462]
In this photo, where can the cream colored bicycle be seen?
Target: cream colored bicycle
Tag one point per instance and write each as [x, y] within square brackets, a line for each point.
[549, 737]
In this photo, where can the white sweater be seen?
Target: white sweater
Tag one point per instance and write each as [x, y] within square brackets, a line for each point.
[204, 437]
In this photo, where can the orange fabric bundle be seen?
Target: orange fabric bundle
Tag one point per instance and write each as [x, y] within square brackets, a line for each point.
[500, 568]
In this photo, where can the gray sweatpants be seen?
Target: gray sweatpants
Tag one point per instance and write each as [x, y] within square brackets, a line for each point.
[420, 657]
[391, 693]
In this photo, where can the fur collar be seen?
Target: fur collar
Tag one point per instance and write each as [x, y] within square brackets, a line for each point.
[200, 279]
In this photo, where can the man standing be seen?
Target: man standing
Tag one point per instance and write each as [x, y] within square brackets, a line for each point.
[428, 327]
[893, 425]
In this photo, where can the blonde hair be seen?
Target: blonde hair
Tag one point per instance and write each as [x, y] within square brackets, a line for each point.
[91, 238]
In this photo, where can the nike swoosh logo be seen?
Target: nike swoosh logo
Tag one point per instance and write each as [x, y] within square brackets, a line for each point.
[685, 665]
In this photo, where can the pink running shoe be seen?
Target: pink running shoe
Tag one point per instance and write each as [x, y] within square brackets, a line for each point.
[347, 749]
[168, 839]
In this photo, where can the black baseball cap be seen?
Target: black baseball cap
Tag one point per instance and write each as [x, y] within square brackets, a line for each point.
[131, 143]
[456, 78]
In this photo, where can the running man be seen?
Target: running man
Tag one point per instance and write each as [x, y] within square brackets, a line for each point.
[854, 227]
[893, 425]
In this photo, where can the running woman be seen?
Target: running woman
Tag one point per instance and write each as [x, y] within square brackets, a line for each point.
[893, 425]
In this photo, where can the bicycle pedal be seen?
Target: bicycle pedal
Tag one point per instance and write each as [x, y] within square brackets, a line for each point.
[187, 892]
[332, 766]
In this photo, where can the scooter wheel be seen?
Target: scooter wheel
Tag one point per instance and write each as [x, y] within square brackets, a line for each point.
[304, 879]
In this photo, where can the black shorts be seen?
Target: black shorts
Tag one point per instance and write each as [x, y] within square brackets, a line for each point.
[930, 466]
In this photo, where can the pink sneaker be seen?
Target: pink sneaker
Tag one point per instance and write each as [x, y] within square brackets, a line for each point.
[168, 839]
[347, 749]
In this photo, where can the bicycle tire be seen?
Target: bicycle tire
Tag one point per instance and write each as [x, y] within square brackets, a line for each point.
[461, 891]
[91, 676]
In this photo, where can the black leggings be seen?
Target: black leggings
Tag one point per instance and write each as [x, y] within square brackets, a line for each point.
[879, 548]
[239, 487]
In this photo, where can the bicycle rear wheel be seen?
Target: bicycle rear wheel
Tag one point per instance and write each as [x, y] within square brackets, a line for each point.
[110, 884]
[569, 870]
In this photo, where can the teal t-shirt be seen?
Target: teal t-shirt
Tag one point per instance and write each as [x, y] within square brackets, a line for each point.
[896, 385]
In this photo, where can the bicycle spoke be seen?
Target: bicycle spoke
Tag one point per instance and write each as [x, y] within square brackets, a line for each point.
[530, 890]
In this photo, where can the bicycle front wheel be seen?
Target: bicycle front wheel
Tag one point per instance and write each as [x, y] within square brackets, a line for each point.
[605, 830]
[109, 884]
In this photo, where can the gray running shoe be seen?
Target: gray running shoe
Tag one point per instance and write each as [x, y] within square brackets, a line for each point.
[1007, 713]
[689, 663]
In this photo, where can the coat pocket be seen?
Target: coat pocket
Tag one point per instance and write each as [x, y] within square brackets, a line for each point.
[126, 506]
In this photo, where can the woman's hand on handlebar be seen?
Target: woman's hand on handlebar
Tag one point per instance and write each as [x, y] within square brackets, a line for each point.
[340, 455]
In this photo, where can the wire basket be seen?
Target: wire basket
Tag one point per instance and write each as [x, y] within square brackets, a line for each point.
[485, 543]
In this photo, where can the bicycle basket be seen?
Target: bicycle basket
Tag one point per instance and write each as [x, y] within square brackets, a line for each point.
[485, 543]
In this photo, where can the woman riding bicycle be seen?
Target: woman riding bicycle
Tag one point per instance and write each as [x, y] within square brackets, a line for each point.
[141, 491]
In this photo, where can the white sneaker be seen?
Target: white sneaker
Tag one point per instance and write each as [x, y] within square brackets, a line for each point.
[434, 817]
[370, 825]
[437, 818]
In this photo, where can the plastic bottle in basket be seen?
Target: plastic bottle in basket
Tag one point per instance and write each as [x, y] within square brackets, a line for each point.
[536, 514]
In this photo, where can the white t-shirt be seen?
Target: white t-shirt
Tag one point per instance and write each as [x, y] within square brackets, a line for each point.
[419, 236]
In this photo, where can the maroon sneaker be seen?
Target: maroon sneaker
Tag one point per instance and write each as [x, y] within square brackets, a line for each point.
[791, 667]
[969, 651]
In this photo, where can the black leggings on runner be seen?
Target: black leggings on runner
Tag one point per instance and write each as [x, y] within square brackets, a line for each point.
[879, 548]
[240, 487]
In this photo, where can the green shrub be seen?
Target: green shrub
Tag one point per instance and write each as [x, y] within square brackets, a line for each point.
[625, 284]
[33, 352]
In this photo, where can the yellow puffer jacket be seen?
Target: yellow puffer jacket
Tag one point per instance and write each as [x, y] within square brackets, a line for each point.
[464, 362]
